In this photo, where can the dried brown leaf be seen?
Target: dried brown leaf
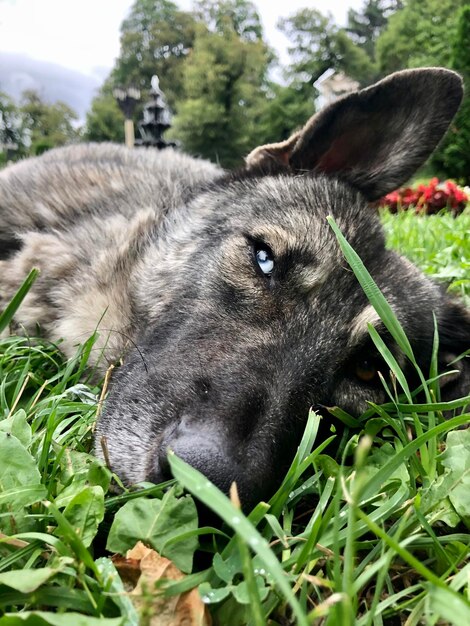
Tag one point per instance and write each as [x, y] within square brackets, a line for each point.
[141, 571]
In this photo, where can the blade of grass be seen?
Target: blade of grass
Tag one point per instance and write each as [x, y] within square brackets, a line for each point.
[373, 293]
[409, 558]
[204, 490]
[7, 315]
[390, 360]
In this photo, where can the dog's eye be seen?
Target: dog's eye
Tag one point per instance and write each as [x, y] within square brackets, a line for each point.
[265, 259]
[366, 370]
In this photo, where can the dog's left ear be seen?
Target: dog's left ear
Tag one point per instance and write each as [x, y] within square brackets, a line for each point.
[376, 138]
[454, 340]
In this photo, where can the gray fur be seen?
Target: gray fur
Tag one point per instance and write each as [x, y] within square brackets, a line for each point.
[157, 250]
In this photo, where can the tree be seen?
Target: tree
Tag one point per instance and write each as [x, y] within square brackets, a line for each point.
[223, 79]
[280, 113]
[156, 37]
[419, 35]
[319, 44]
[365, 26]
[104, 121]
[240, 16]
[12, 138]
[453, 157]
[48, 125]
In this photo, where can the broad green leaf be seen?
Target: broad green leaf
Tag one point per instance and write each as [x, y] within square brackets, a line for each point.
[81, 470]
[210, 595]
[99, 474]
[20, 483]
[155, 522]
[22, 496]
[75, 465]
[242, 594]
[71, 491]
[329, 466]
[456, 459]
[17, 426]
[442, 509]
[378, 457]
[27, 580]
[393, 464]
[447, 604]
[85, 512]
[42, 618]
[225, 569]
[448, 497]
[17, 466]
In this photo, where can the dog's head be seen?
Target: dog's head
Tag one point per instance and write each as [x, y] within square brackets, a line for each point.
[248, 312]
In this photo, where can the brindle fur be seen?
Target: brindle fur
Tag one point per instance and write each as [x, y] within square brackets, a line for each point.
[156, 250]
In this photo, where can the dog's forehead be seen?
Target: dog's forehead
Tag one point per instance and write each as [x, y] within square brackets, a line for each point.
[296, 202]
[290, 213]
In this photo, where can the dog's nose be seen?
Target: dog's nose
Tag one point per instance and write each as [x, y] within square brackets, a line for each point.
[200, 446]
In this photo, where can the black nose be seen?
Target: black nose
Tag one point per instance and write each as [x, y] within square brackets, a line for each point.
[201, 446]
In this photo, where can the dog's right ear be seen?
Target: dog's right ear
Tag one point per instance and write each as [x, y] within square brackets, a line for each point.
[376, 138]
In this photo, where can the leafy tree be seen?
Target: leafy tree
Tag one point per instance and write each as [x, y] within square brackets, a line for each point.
[210, 85]
[365, 26]
[48, 125]
[319, 44]
[156, 37]
[283, 111]
[104, 121]
[239, 15]
[223, 81]
[12, 139]
[419, 35]
[453, 157]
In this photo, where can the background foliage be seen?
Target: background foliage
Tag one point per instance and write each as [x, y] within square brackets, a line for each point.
[226, 87]
[454, 153]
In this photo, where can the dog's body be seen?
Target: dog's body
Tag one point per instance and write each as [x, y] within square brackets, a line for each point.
[84, 215]
[228, 294]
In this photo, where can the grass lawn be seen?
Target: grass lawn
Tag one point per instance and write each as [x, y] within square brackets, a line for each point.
[372, 530]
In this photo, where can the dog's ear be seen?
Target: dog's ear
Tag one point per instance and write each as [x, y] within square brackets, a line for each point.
[375, 138]
[454, 340]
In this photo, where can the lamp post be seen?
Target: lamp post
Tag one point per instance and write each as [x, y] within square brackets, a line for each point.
[127, 98]
[156, 119]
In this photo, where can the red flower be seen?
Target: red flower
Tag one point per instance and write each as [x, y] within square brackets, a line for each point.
[429, 198]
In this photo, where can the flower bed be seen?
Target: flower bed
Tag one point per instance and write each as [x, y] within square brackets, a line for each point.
[430, 198]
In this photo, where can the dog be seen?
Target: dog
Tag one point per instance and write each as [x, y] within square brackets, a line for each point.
[226, 294]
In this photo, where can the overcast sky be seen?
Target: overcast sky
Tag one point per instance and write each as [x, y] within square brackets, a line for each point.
[83, 35]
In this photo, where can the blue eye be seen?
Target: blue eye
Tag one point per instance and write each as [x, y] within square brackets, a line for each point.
[265, 260]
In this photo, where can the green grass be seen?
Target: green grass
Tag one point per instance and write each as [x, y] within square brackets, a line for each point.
[376, 532]
[439, 245]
